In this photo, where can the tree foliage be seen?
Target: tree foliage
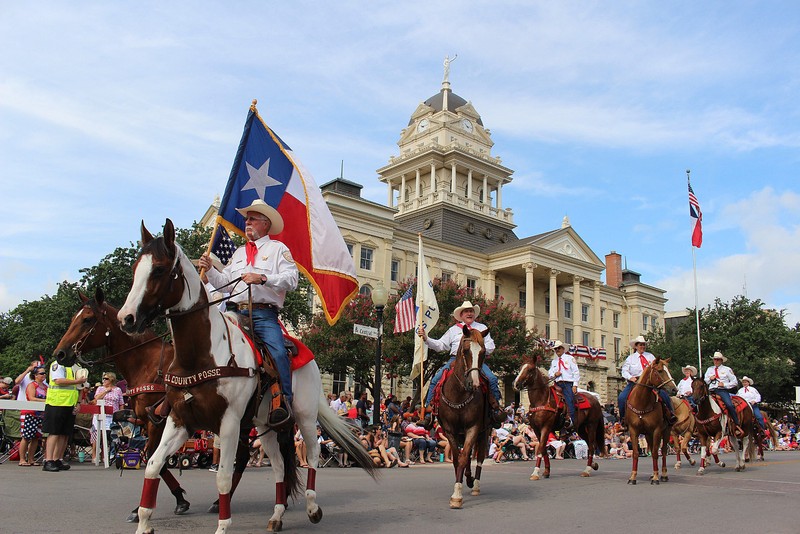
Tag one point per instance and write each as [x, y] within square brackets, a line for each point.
[755, 340]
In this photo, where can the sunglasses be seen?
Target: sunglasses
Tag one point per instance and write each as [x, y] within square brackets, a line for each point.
[106, 378]
[41, 373]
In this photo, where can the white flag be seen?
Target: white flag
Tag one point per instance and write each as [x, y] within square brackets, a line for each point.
[427, 311]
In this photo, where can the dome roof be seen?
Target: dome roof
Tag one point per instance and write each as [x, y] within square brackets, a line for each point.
[453, 103]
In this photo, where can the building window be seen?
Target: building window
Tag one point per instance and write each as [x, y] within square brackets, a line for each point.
[466, 190]
[568, 336]
[365, 290]
[644, 323]
[522, 298]
[586, 339]
[617, 343]
[602, 316]
[585, 313]
[616, 319]
[472, 283]
[547, 330]
[395, 270]
[339, 383]
[366, 258]
[547, 304]
[590, 385]
[567, 309]
[446, 277]
[603, 341]
[496, 292]
[350, 249]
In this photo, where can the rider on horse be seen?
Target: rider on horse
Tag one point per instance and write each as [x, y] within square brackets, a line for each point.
[722, 381]
[685, 385]
[465, 315]
[631, 370]
[751, 395]
[266, 265]
[564, 370]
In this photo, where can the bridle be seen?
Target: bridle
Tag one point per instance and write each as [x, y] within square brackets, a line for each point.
[461, 381]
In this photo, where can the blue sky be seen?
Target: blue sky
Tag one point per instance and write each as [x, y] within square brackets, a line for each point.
[114, 112]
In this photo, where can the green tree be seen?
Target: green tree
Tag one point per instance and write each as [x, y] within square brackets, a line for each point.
[755, 340]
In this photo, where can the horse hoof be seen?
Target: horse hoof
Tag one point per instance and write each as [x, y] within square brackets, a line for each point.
[132, 518]
[316, 517]
[547, 475]
[737, 469]
[182, 508]
[664, 478]
[632, 482]
[534, 477]
[274, 525]
[692, 462]
[678, 466]
[585, 474]
[470, 482]
[595, 466]
[722, 464]
[655, 482]
[476, 492]
[456, 503]
[214, 508]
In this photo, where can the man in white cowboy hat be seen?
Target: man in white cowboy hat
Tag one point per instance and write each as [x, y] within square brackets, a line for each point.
[631, 370]
[464, 315]
[722, 381]
[266, 265]
[685, 385]
[564, 371]
[751, 395]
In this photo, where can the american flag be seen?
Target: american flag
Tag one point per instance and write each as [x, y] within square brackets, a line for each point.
[697, 218]
[406, 312]
[223, 246]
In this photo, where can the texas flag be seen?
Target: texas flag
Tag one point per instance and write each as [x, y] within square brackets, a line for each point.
[266, 168]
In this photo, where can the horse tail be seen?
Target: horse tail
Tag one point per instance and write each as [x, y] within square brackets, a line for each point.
[342, 434]
[291, 480]
[600, 436]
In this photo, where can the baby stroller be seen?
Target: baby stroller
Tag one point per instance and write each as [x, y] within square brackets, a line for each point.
[126, 446]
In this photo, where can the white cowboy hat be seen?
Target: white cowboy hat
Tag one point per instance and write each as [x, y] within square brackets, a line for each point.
[558, 343]
[259, 206]
[719, 356]
[748, 379]
[691, 368]
[639, 339]
[467, 305]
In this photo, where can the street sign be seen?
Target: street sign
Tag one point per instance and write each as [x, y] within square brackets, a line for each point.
[367, 331]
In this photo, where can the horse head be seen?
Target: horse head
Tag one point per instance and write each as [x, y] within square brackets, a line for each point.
[699, 389]
[88, 330]
[657, 375]
[527, 373]
[159, 277]
[471, 353]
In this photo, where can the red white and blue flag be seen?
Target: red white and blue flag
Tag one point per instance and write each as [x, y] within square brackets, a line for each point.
[697, 218]
[266, 168]
[405, 312]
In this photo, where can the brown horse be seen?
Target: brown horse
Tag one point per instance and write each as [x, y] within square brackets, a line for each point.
[546, 416]
[141, 359]
[645, 415]
[683, 430]
[713, 422]
[464, 413]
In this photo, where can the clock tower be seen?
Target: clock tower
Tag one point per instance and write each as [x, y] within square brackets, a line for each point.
[446, 183]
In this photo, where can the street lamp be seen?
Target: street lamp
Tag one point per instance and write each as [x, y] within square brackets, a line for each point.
[379, 298]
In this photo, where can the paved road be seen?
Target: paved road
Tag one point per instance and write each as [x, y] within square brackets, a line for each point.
[764, 499]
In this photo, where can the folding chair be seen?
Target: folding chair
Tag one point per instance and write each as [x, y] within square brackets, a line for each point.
[9, 434]
[81, 440]
[330, 454]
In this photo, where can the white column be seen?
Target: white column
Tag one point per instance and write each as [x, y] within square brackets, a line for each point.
[403, 198]
[453, 178]
[485, 189]
[499, 194]
[553, 304]
[577, 331]
[433, 178]
[418, 189]
[469, 185]
[530, 314]
[596, 326]
[390, 200]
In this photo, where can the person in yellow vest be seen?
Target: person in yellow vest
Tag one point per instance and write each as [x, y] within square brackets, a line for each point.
[59, 416]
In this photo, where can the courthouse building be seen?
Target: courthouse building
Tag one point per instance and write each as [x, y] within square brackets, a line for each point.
[447, 184]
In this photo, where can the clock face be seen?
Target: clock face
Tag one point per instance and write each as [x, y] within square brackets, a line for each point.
[467, 125]
[423, 125]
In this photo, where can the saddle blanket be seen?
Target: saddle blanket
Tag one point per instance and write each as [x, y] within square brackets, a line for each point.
[738, 402]
[581, 399]
[437, 393]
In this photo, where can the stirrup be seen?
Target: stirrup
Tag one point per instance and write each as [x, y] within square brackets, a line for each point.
[280, 417]
[153, 416]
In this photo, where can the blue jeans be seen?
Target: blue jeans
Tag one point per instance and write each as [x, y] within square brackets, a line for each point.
[265, 324]
[569, 396]
[623, 399]
[725, 395]
[759, 417]
[493, 387]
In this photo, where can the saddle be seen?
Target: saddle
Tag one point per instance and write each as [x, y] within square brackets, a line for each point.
[739, 403]
[581, 399]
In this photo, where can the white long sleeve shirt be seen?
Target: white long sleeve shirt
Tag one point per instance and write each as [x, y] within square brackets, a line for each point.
[568, 367]
[685, 387]
[632, 368]
[750, 394]
[724, 376]
[452, 338]
[273, 260]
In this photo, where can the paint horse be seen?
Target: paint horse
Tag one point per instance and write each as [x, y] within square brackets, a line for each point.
[713, 422]
[213, 382]
[547, 412]
[683, 430]
[645, 415]
[139, 358]
[464, 413]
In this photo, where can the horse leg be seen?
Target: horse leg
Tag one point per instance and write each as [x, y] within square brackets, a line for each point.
[181, 505]
[481, 447]
[715, 451]
[678, 449]
[635, 459]
[464, 458]
[229, 437]
[171, 440]
[591, 434]
[654, 443]
[270, 442]
[703, 455]
[541, 449]
[685, 447]
[308, 428]
[664, 449]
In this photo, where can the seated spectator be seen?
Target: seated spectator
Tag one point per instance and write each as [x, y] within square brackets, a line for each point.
[382, 441]
[517, 440]
[5, 388]
[442, 441]
[558, 446]
[112, 395]
[531, 439]
[580, 446]
[257, 451]
[300, 448]
[421, 439]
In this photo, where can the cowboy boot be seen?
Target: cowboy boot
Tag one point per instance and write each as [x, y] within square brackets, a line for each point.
[497, 415]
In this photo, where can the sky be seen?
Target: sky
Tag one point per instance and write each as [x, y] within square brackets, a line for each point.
[117, 112]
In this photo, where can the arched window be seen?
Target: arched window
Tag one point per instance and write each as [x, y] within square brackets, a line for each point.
[590, 385]
[365, 290]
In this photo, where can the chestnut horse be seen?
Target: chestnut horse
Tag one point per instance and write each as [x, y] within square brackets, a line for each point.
[544, 416]
[213, 383]
[141, 359]
[464, 413]
[683, 430]
[712, 422]
[645, 415]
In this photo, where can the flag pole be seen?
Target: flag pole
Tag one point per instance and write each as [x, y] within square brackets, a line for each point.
[419, 325]
[211, 241]
[696, 306]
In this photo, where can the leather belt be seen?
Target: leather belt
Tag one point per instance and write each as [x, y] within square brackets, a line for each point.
[244, 308]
